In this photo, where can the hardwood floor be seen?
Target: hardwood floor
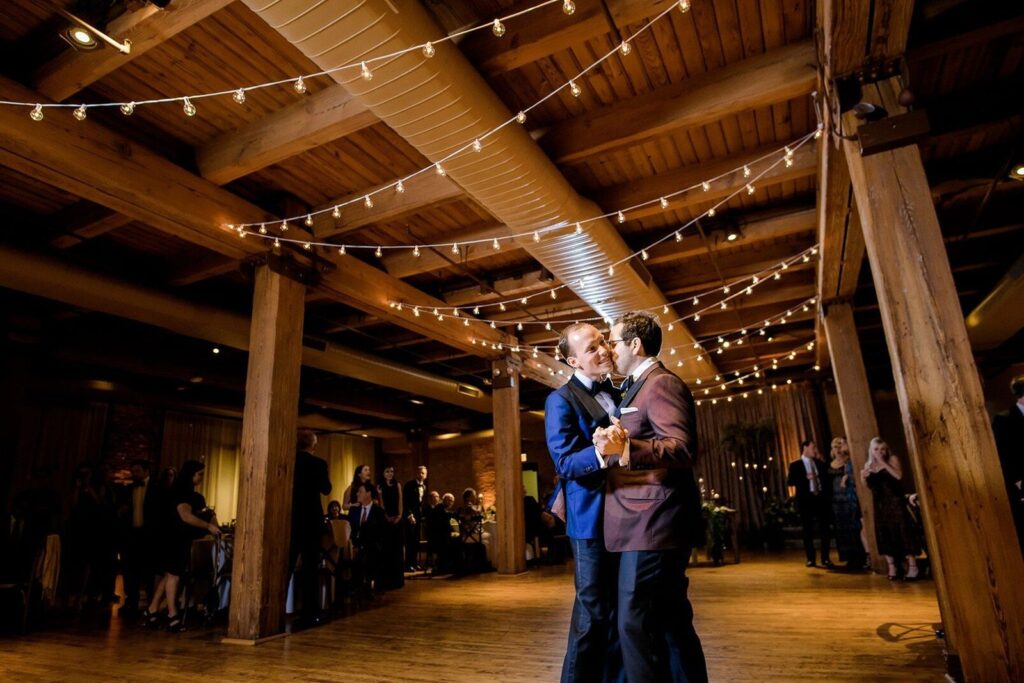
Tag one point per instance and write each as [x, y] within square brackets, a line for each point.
[766, 619]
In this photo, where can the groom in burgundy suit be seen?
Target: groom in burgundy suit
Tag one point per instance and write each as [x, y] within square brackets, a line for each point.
[652, 513]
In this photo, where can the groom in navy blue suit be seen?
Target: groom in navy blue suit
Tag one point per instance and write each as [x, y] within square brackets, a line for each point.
[572, 414]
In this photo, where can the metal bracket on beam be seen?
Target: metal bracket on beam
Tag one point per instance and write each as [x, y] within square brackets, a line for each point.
[284, 265]
[848, 87]
[892, 132]
[504, 377]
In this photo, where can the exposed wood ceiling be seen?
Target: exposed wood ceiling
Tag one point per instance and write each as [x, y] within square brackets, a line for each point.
[702, 93]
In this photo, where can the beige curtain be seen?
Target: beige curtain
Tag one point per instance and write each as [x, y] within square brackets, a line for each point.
[794, 415]
[214, 441]
[343, 453]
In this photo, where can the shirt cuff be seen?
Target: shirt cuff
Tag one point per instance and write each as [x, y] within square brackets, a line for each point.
[601, 462]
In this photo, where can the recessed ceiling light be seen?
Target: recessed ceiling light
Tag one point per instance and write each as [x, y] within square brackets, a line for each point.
[79, 38]
[195, 380]
[732, 236]
[364, 435]
[1019, 171]
[216, 350]
[416, 401]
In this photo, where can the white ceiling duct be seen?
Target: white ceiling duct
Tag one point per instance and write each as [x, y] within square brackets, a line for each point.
[440, 104]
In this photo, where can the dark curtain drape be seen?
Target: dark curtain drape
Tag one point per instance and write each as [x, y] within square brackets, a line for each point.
[793, 413]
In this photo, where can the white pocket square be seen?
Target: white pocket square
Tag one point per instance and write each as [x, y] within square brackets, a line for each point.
[628, 410]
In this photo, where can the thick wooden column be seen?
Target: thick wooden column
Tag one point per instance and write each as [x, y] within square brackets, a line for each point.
[856, 407]
[971, 536]
[268, 459]
[508, 477]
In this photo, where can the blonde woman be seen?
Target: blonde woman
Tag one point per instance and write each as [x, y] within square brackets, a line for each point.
[846, 508]
[894, 529]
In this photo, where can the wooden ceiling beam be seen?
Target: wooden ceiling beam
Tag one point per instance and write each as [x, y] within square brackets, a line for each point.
[776, 76]
[649, 189]
[316, 120]
[146, 27]
[82, 221]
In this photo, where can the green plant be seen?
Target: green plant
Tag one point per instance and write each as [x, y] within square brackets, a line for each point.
[717, 523]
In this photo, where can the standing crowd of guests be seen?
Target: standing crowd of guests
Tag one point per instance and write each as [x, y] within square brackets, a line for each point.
[827, 501]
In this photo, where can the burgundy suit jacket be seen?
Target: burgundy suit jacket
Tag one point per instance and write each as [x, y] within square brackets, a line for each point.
[654, 503]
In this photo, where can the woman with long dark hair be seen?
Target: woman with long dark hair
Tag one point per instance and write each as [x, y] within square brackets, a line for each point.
[391, 573]
[348, 499]
[181, 526]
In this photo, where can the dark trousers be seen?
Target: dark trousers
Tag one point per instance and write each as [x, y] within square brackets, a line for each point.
[816, 511]
[412, 544]
[655, 619]
[307, 578]
[137, 567]
[593, 652]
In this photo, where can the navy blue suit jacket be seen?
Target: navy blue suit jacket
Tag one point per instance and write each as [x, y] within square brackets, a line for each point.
[569, 424]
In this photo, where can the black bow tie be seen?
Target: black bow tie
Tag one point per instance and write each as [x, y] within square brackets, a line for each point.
[604, 385]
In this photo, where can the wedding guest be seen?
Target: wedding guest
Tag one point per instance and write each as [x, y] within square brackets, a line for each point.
[367, 520]
[1008, 429]
[182, 525]
[846, 516]
[392, 575]
[334, 511]
[439, 533]
[808, 475]
[91, 538]
[348, 498]
[413, 496]
[894, 528]
[141, 512]
[470, 513]
[310, 482]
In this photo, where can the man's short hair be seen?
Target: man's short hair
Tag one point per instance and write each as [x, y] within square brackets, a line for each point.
[368, 487]
[306, 439]
[805, 443]
[563, 340]
[1017, 386]
[141, 462]
[642, 326]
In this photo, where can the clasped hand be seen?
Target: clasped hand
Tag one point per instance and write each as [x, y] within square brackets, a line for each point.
[611, 440]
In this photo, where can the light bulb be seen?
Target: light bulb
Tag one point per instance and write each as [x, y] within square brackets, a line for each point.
[644, 255]
[477, 146]
[711, 212]
[547, 326]
[239, 96]
[476, 310]
[188, 108]
[621, 217]
[696, 301]
[337, 212]
[455, 250]
[307, 246]
[263, 229]
[416, 251]
[679, 236]
[365, 72]
[379, 252]
[37, 113]
[416, 311]
[554, 294]
[284, 226]
[277, 243]
[664, 310]
[789, 162]
[624, 48]
[574, 89]
[400, 187]
[440, 169]
[664, 203]
[300, 85]
[341, 250]
[568, 7]
[696, 319]
[80, 112]
[536, 236]
[579, 228]
[519, 326]
[746, 171]
[706, 186]
[368, 202]
[498, 28]
[750, 189]
[428, 50]
[128, 108]
[684, 5]
[611, 271]
[309, 221]
[521, 117]
[523, 300]
[496, 244]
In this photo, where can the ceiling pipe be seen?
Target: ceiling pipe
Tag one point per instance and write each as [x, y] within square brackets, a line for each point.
[441, 103]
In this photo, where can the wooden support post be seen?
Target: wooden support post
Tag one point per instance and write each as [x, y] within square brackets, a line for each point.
[260, 572]
[856, 407]
[971, 537]
[508, 477]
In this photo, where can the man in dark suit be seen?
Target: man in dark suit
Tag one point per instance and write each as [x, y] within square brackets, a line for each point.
[367, 521]
[1008, 428]
[652, 513]
[142, 515]
[310, 482]
[413, 498]
[571, 415]
[808, 474]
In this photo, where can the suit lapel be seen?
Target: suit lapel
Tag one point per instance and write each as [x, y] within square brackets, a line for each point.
[635, 389]
[589, 404]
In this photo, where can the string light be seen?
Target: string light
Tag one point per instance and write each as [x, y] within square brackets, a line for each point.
[574, 89]
[684, 5]
[309, 221]
[440, 169]
[300, 85]
[37, 113]
[625, 48]
[368, 202]
[498, 28]
[336, 213]
[128, 108]
[400, 187]
[568, 7]
[80, 113]
[188, 107]
[521, 117]
[238, 97]
[365, 72]
[428, 50]
[477, 146]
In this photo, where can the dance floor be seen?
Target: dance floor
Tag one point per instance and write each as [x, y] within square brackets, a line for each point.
[763, 620]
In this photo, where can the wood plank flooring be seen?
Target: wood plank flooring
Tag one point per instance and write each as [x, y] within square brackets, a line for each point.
[767, 619]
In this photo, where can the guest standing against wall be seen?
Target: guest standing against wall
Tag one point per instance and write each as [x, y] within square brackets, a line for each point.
[413, 496]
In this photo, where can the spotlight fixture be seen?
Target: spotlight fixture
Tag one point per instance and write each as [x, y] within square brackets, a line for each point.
[79, 38]
[81, 35]
[1017, 172]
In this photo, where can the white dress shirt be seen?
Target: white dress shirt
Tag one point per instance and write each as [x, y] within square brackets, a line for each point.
[604, 400]
[642, 368]
[812, 474]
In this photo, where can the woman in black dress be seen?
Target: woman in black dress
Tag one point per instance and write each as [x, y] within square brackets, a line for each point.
[391, 573]
[180, 527]
[894, 528]
[846, 507]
